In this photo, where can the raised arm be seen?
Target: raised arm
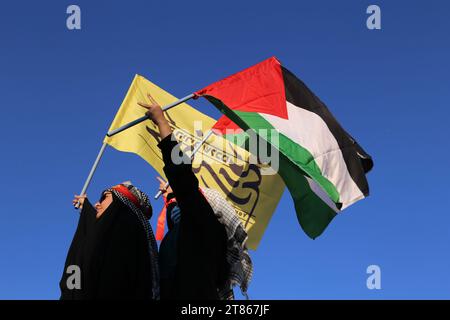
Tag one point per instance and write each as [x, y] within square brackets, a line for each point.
[181, 178]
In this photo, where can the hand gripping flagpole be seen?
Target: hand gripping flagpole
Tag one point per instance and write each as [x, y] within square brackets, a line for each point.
[118, 130]
[196, 149]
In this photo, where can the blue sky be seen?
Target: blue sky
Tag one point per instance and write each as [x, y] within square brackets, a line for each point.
[389, 88]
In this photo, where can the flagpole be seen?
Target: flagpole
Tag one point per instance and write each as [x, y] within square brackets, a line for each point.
[91, 173]
[116, 131]
[139, 120]
[196, 149]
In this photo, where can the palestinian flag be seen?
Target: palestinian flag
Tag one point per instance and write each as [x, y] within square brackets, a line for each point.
[322, 165]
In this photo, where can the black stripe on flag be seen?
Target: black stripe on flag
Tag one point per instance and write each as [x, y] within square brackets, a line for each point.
[357, 160]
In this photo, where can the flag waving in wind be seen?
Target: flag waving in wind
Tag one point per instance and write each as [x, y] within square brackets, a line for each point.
[321, 164]
[227, 170]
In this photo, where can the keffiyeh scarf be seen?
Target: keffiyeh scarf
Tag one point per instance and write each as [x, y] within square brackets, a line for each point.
[241, 267]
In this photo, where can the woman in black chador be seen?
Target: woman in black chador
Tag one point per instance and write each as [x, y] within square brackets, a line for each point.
[203, 255]
[113, 248]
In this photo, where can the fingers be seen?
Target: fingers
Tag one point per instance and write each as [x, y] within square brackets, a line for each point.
[144, 105]
[163, 186]
[150, 109]
[152, 104]
[161, 180]
[153, 101]
[79, 199]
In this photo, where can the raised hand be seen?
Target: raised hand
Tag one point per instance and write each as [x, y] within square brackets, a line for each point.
[162, 187]
[154, 111]
[156, 114]
[79, 199]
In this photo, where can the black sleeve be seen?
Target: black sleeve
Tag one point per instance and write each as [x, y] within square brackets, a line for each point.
[87, 216]
[181, 178]
[184, 184]
[75, 254]
[201, 238]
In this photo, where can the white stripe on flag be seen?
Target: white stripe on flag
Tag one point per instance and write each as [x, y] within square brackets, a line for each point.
[309, 131]
[321, 194]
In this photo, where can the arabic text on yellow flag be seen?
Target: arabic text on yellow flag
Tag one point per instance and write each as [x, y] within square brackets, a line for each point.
[227, 170]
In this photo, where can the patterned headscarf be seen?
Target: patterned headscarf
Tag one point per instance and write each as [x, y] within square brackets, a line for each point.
[139, 204]
[241, 267]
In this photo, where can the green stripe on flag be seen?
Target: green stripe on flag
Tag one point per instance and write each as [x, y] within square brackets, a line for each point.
[293, 151]
[313, 214]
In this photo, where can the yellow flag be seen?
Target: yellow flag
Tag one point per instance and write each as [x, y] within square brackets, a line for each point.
[218, 164]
